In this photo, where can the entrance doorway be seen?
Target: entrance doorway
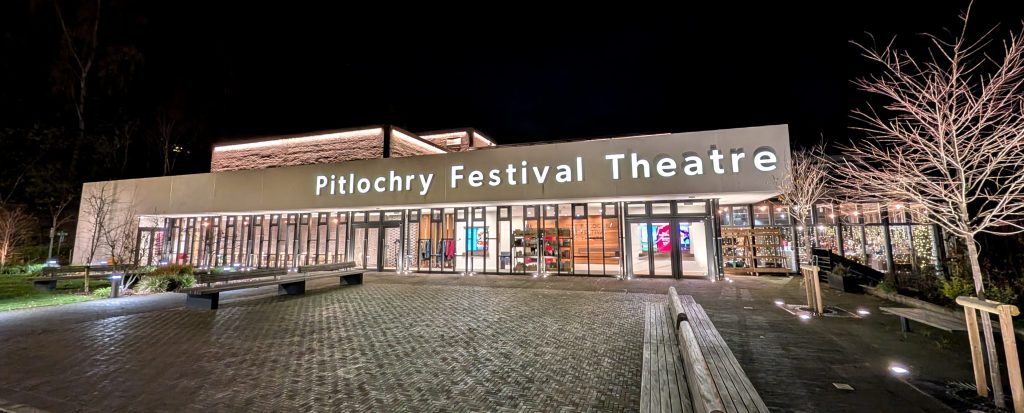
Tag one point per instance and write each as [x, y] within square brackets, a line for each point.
[675, 247]
[377, 245]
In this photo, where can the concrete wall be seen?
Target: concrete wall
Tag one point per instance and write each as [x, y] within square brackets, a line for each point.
[294, 188]
[304, 150]
[403, 145]
[441, 140]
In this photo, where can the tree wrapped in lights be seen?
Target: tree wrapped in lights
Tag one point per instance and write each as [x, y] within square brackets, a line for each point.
[951, 139]
[804, 182]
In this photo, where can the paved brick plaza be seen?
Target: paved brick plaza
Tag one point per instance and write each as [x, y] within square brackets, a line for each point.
[444, 343]
[376, 347]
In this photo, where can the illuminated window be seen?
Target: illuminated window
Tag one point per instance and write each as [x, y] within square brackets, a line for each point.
[453, 141]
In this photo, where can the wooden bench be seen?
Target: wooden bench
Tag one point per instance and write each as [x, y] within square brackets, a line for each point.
[717, 382]
[211, 278]
[328, 267]
[208, 297]
[662, 382]
[48, 282]
[935, 319]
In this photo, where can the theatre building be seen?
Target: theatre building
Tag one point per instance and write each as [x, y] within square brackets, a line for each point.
[666, 205]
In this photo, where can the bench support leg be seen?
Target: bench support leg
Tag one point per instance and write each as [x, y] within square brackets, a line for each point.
[295, 288]
[203, 301]
[904, 324]
[351, 279]
[48, 285]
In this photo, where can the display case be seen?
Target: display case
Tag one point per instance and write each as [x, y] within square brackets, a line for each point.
[753, 250]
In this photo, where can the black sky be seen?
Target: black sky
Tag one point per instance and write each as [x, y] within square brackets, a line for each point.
[519, 73]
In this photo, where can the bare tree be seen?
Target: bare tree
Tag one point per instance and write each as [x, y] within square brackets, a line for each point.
[15, 228]
[81, 45]
[170, 139]
[950, 138]
[119, 238]
[99, 206]
[804, 182]
[58, 206]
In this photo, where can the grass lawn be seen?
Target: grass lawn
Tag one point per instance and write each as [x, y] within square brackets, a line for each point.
[16, 291]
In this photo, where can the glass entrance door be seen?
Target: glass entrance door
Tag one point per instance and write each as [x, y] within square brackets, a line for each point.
[668, 248]
[377, 245]
[391, 247]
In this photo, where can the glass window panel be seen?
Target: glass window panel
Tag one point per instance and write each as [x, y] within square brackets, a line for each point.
[902, 252]
[871, 213]
[825, 236]
[725, 215]
[762, 214]
[780, 216]
[897, 213]
[690, 207]
[661, 208]
[636, 209]
[918, 214]
[849, 214]
[825, 213]
[923, 246]
[740, 216]
[609, 210]
[853, 243]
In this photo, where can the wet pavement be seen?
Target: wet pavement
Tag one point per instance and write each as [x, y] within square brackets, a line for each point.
[450, 343]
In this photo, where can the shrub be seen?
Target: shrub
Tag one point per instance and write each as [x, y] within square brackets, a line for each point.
[1004, 294]
[886, 286]
[153, 284]
[27, 269]
[103, 292]
[173, 269]
[840, 269]
[956, 287]
[175, 282]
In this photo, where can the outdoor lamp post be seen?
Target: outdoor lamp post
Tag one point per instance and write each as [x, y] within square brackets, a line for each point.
[115, 285]
[49, 252]
[60, 240]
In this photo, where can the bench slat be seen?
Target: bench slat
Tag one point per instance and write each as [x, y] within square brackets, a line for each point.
[723, 382]
[645, 375]
[931, 318]
[733, 384]
[662, 385]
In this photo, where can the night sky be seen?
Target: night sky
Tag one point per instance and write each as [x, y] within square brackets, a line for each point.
[518, 73]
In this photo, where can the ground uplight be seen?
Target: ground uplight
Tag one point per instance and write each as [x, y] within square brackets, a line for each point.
[898, 369]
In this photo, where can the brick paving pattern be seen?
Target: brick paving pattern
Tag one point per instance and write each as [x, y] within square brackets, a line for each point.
[449, 343]
[375, 347]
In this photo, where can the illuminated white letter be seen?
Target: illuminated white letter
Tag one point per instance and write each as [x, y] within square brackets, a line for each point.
[666, 167]
[321, 183]
[694, 165]
[495, 178]
[636, 163]
[363, 188]
[476, 179]
[615, 158]
[456, 176]
[564, 174]
[764, 159]
[737, 154]
[426, 183]
[716, 160]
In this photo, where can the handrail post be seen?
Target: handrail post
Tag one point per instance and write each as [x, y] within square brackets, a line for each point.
[1012, 362]
[818, 304]
[980, 381]
[1006, 313]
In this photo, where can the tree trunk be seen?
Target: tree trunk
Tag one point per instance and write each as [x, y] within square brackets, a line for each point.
[995, 376]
